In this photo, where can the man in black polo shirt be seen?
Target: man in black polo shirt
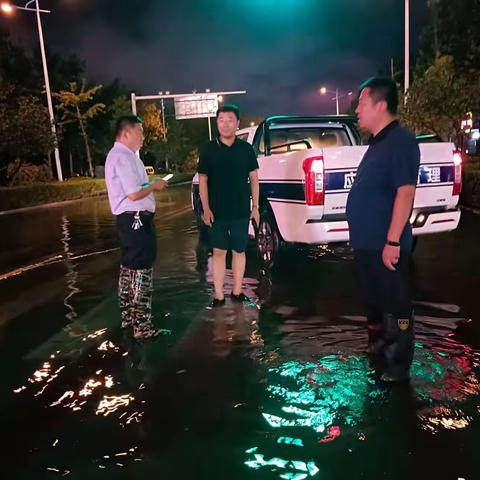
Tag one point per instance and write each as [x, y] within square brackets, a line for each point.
[226, 166]
[378, 211]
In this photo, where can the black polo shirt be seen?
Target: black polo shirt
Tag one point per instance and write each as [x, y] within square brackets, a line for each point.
[391, 161]
[228, 170]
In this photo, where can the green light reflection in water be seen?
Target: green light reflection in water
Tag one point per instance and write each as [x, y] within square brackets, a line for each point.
[317, 397]
[319, 394]
[291, 441]
[318, 401]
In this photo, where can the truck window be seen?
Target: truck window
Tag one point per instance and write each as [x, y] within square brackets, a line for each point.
[317, 137]
[243, 136]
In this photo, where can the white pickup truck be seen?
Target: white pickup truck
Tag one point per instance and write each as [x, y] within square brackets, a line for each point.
[307, 167]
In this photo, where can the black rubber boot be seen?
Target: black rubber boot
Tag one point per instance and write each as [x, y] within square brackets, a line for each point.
[399, 346]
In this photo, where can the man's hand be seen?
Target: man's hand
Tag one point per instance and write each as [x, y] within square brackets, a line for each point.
[255, 216]
[207, 217]
[390, 256]
[160, 185]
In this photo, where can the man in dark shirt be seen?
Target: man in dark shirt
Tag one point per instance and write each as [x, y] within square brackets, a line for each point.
[226, 166]
[378, 211]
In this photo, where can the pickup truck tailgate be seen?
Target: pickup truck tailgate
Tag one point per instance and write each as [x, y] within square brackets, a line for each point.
[435, 177]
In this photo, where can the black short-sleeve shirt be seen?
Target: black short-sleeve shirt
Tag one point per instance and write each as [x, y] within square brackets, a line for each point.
[391, 161]
[228, 170]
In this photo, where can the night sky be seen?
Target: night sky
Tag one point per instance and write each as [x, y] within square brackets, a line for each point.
[280, 51]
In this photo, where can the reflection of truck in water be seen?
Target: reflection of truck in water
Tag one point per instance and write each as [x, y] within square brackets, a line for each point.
[307, 166]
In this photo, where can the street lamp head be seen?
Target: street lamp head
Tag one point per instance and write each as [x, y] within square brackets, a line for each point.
[323, 90]
[220, 98]
[350, 94]
[6, 8]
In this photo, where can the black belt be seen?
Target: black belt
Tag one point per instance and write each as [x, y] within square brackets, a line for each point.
[142, 212]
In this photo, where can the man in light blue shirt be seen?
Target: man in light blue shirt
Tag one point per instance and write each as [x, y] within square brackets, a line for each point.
[132, 202]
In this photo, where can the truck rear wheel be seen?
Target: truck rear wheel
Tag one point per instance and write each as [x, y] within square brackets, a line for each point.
[268, 240]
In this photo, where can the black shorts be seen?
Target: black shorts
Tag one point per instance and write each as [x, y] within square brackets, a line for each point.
[138, 247]
[230, 235]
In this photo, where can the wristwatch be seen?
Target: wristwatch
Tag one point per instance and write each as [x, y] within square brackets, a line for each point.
[393, 244]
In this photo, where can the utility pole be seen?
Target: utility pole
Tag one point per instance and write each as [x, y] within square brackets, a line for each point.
[407, 48]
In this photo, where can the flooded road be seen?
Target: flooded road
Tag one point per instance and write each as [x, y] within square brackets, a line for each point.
[277, 389]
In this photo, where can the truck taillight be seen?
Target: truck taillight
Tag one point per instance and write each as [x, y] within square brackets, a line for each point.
[457, 179]
[314, 169]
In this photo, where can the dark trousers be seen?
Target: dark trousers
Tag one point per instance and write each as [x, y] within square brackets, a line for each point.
[138, 246]
[388, 302]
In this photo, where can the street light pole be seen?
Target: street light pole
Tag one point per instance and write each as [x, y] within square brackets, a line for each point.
[163, 121]
[8, 8]
[407, 48]
[337, 97]
[47, 88]
[134, 103]
[209, 128]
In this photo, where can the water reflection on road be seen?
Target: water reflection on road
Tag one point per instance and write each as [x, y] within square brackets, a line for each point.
[280, 388]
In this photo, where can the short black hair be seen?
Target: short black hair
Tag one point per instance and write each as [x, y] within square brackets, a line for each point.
[383, 89]
[125, 122]
[229, 107]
